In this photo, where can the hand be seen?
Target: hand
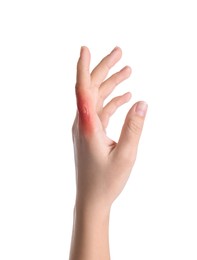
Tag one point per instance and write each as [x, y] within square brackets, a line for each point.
[102, 165]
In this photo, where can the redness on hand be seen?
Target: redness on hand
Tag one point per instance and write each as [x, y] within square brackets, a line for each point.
[84, 107]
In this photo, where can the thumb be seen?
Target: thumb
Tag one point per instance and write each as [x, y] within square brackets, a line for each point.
[126, 148]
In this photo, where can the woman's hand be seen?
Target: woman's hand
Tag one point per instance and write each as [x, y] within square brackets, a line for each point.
[102, 165]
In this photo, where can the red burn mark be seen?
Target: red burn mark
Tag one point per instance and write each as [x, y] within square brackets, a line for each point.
[84, 107]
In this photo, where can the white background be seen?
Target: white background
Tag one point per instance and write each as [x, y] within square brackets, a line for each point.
[155, 216]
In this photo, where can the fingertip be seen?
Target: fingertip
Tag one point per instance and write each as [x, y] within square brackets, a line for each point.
[128, 69]
[84, 59]
[84, 49]
[83, 64]
[141, 108]
[128, 96]
[117, 50]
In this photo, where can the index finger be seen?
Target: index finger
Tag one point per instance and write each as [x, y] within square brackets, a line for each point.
[83, 66]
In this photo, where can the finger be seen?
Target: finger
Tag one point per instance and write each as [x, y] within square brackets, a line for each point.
[101, 70]
[84, 98]
[112, 106]
[83, 66]
[126, 149]
[109, 85]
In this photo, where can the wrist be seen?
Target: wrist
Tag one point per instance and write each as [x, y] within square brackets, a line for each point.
[92, 209]
[90, 232]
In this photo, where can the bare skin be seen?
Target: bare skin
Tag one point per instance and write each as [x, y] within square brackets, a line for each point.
[102, 165]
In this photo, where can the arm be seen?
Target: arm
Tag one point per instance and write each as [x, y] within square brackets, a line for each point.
[102, 165]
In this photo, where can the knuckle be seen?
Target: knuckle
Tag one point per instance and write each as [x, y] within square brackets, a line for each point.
[107, 65]
[116, 101]
[78, 87]
[111, 109]
[73, 128]
[126, 162]
[116, 79]
[108, 113]
[73, 132]
[114, 104]
[134, 126]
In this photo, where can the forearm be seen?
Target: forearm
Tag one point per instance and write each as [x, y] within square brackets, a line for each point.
[90, 233]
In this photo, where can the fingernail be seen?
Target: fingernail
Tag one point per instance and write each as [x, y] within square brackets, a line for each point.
[115, 48]
[141, 108]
